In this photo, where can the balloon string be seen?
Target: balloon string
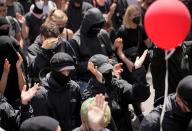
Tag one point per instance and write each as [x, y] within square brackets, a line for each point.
[167, 56]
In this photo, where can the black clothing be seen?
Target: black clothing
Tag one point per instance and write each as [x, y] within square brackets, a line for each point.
[59, 102]
[8, 48]
[15, 8]
[174, 119]
[39, 58]
[85, 47]
[130, 38]
[34, 25]
[11, 119]
[26, 5]
[158, 69]
[75, 15]
[40, 123]
[119, 94]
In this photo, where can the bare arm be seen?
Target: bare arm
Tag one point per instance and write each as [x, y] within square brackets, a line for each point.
[24, 28]
[21, 77]
[4, 77]
[19, 38]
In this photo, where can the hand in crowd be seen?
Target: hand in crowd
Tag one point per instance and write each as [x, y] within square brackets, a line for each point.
[95, 71]
[113, 7]
[20, 18]
[118, 43]
[49, 42]
[117, 69]
[19, 62]
[27, 95]
[6, 66]
[96, 112]
[139, 61]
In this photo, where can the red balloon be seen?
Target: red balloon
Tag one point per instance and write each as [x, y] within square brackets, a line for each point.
[167, 23]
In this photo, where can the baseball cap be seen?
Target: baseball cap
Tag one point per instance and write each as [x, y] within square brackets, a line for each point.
[101, 62]
[62, 61]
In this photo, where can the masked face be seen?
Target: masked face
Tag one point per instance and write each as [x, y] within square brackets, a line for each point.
[61, 79]
[107, 77]
[136, 20]
[39, 4]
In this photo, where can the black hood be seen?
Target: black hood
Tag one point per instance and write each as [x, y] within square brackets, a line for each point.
[92, 17]
[49, 82]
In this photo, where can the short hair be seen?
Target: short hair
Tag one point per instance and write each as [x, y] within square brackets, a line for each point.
[128, 13]
[49, 29]
[56, 14]
[85, 107]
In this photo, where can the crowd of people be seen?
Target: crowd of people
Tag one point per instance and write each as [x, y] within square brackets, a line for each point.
[77, 65]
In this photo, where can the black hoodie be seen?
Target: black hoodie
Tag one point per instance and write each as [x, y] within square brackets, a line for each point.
[61, 103]
[85, 46]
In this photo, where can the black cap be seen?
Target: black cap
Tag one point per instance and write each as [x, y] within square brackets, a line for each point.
[62, 61]
[184, 90]
[102, 62]
[39, 123]
[3, 20]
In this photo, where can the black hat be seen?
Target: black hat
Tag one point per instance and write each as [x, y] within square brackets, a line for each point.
[184, 90]
[39, 123]
[102, 62]
[3, 20]
[62, 61]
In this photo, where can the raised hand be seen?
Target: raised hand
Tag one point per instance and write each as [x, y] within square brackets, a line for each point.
[6, 66]
[96, 112]
[95, 71]
[118, 43]
[26, 96]
[117, 69]
[20, 61]
[20, 18]
[139, 61]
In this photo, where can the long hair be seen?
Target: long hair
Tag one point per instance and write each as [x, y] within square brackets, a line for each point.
[129, 11]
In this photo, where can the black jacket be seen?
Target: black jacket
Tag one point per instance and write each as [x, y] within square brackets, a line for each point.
[85, 46]
[61, 103]
[119, 94]
[39, 58]
[174, 119]
[75, 15]
[11, 119]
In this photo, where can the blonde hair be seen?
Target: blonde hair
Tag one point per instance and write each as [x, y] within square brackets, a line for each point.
[56, 14]
[129, 11]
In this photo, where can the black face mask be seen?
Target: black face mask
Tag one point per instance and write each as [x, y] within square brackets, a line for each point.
[78, 1]
[93, 32]
[4, 32]
[37, 10]
[107, 77]
[61, 79]
[61, 29]
[136, 20]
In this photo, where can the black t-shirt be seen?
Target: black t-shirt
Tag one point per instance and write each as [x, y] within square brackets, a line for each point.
[130, 37]
[34, 25]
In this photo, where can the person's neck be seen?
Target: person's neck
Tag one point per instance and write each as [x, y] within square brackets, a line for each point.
[46, 2]
[9, 2]
[77, 4]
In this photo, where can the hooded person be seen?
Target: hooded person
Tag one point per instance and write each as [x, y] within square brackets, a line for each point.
[177, 112]
[88, 41]
[57, 91]
[118, 93]
[40, 123]
[75, 13]
[8, 50]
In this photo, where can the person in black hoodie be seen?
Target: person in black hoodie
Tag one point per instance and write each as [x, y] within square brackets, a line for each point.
[44, 47]
[177, 112]
[118, 93]
[75, 13]
[59, 96]
[11, 119]
[88, 41]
